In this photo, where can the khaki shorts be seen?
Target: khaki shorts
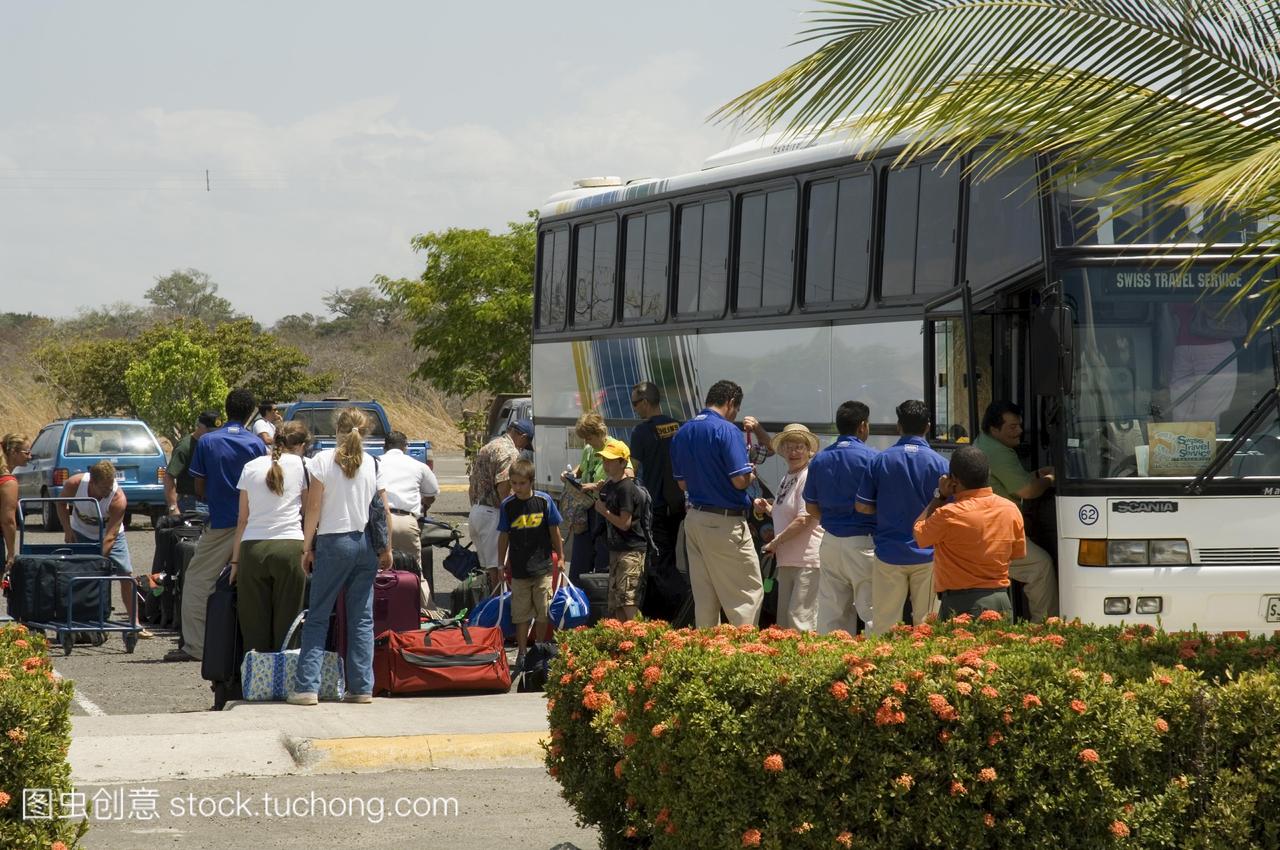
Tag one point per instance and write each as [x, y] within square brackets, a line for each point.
[626, 579]
[530, 598]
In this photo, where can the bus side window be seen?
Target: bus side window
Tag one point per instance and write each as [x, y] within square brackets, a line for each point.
[703, 277]
[644, 272]
[553, 279]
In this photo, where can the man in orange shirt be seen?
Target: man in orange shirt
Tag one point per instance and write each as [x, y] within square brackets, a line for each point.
[973, 537]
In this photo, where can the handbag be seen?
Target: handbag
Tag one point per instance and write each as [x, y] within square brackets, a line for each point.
[495, 612]
[575, 509]
[461, 561]
[569, 606]
[272, 676]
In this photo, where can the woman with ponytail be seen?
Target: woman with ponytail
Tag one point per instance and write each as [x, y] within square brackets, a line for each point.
[340, 557]
[15, 451]
[266, 558]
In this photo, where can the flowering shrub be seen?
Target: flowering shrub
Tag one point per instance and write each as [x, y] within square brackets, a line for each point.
[35, 724]
[960, 735]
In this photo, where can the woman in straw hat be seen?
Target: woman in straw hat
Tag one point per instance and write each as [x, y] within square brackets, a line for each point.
[798, 536]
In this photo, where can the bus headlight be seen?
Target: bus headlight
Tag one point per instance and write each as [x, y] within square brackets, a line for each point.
[1150, 604]
[1127, 553]
[1115, 605]
[1170, 552]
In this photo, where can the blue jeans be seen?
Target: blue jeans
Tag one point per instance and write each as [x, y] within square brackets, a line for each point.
[344, 563]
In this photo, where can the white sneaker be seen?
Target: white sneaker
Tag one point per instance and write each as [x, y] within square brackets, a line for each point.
[302, 699]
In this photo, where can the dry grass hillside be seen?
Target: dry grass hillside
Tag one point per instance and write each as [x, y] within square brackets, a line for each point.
[366, 365]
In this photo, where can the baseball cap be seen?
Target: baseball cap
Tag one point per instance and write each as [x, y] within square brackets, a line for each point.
[615, 450]
[524, 426]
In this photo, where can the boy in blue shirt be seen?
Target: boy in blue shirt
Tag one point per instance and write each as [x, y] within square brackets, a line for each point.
[528, 531]
[901, 481]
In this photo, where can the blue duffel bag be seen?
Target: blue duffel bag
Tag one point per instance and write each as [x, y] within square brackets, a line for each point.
[570, 607]
[495, 612]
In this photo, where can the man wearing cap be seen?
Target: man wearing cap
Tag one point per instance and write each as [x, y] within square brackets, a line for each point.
[489, 485]
[901, 481]
[179, 484]
[625, 508]
[848, 553]
[709, 459]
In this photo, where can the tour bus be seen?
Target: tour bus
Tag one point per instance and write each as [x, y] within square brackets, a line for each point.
[811, 275]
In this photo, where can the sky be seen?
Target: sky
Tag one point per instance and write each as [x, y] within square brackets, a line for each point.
[332, 133]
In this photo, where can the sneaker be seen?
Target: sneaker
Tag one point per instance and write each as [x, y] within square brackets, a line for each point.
[361, 699]
[145, 634]
[179, 655]
[302, 699]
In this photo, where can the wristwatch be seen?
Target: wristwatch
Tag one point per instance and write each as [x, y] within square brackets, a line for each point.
[937, 494]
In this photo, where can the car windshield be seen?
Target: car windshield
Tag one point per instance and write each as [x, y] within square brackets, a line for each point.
[1163, 376]
[320, 421]
[114, 439]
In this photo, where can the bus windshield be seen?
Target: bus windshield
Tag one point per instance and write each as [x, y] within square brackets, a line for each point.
[1163, 376]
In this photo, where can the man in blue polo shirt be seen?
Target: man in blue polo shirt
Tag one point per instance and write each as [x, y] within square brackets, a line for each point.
[709, 461]
[216, 464]
[902, 480]
[848, 554]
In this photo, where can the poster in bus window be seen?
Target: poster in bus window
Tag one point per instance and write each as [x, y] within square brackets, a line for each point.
[1181, 448]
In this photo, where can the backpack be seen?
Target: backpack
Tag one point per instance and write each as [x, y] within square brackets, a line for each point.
[644, 517]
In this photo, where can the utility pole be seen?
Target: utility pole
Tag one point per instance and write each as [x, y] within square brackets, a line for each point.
[206, 180]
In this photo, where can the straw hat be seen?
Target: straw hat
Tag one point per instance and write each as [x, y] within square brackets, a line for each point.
[795, 429]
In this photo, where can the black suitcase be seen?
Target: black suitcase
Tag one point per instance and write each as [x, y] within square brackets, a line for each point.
[168, 530]
[184, 549]
[223, 645]
[39, 586]
[596, 587]
[469, 593]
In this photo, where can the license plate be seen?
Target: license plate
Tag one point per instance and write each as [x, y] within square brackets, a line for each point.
[119, 475]
[1271, 605]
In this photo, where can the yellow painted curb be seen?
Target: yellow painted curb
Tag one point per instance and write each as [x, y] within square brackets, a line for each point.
[428, 751]
[453, 488]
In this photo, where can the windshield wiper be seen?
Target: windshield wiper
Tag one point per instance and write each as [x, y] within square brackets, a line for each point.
[1243, 432]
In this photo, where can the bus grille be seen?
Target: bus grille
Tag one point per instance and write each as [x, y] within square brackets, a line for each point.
[1240, 557]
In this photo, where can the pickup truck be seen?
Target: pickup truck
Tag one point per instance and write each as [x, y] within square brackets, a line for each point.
[319, 418]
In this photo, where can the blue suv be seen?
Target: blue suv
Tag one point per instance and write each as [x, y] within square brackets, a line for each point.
[68, 446]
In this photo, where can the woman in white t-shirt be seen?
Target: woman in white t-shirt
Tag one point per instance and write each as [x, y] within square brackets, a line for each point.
[340, 558]
[797, 533]
[266, 558]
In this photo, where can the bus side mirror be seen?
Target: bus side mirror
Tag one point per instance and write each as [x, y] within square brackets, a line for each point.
[1052, 360]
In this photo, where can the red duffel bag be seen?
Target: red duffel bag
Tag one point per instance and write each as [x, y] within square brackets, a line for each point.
[441, 658]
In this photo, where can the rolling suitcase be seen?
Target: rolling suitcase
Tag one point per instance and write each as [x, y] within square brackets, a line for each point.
[449, 657]
[469, 593]
[596, 586]
[184, 549]
[396, 605]
[223, 646]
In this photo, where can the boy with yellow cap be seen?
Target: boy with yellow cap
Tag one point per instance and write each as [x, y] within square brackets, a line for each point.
[625, 506]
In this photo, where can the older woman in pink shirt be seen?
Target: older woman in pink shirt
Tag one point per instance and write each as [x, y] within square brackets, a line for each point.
[797, 533]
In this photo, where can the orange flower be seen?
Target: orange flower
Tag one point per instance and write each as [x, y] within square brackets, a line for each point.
[1162, 680]
[944, 736]
[4, 799]
[989, 820]
[566, 678]
[995, 738]
[1089, 756]
[18, 736]
[1128, 696]
[630, 832]
[801, 829]
[1119, 829]
[619, 717]
[664, 815]
[964, 688]
[1056, 640]
[989, 692]
[21, 643]
[773, 763]
[962, 619]
[990, 617]
[627, 645]
[889, 713]
[938, 660]
[883, 650]
[905, 781]
[651, 676]
[1162, 725]
[617, 768]
[987, 774]
[958, 789]
[630, 739]
[1079, 706]
[32, 663]
[57, 845]
[845, 839]
[900, 687]
[941, 708]
[554, 771]
[840, 691]
[1031, 700]
[751, 838]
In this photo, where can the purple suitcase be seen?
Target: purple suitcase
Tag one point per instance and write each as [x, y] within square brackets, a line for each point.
[395, 606]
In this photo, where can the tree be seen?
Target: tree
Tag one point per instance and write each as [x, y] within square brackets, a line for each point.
[1183, 96]
[173, 382]
[190, 294]
[86, 375]
[473, 306]
[257, 361]
[362, 307]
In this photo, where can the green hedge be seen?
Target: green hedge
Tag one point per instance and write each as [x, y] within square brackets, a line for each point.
[956, 735]
[35, 734]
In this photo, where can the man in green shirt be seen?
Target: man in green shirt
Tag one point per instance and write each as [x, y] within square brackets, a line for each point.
[1001, 434]
[179, 486]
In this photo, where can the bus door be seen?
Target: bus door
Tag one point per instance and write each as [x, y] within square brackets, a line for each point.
[959, 367]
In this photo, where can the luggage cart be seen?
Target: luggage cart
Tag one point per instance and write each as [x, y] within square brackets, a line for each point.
[65, 631]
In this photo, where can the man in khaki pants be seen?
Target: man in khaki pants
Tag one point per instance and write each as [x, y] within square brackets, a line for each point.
[901, 482]
[709, 461]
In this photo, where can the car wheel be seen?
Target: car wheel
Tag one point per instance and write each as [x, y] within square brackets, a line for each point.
[128, 519]
[49, 516]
